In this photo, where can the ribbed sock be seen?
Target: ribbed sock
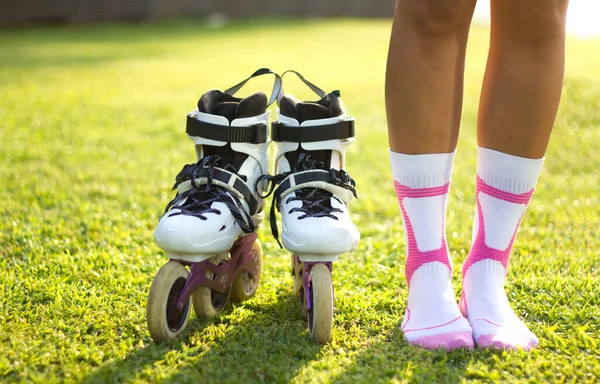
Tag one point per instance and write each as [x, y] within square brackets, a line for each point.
[432, 319]
[505, 185]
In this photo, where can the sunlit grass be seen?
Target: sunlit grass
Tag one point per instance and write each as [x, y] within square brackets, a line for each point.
[92, 135]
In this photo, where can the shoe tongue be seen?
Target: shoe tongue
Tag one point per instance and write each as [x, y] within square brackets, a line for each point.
[218, 103]
[226, 109]
[311, 111]
[306, 162]
[253, 105]
[329, 106]
[287, 107]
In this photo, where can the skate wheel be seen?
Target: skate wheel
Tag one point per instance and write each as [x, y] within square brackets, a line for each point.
[246, 284]
[207, 302]
[165, 321]
[320, 315]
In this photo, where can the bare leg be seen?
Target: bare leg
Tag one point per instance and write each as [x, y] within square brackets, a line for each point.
[519, 100]
[424, 86]
[424, 78]
[524, 75]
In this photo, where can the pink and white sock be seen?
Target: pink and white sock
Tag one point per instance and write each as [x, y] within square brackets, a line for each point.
[505, 184]
[432, 319]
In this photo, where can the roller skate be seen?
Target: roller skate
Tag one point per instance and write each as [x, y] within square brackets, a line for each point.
[208, 231]
[312, 191]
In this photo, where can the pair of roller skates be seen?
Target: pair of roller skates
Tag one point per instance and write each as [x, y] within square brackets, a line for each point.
[208, 231]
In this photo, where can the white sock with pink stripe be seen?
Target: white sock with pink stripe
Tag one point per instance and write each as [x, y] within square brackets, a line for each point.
[432, 319]
[505, 184]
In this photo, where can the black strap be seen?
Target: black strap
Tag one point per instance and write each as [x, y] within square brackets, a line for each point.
[336, 177]
[321, 93]
[239, 185]
[277, 87]
[336, 131]
[255, 134]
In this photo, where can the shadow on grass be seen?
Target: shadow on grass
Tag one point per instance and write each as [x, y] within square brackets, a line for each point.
[259, 343]
[393, 359]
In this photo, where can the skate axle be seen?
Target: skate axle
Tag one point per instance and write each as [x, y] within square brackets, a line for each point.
[222, 275]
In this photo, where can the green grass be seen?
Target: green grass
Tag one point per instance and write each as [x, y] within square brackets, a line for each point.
[92, 135]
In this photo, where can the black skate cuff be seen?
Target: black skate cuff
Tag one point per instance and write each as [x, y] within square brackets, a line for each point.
[336, 131]
[253, 134]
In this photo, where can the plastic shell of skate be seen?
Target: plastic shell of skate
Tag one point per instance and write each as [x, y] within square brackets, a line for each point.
[215, 255]
[314, 241]
[219, 265]
[186, 237]
[306, 237]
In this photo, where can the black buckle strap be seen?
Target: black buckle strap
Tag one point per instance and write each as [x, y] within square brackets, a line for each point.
[255, 134]
[336, 177]
[336, 131]
[225, 176]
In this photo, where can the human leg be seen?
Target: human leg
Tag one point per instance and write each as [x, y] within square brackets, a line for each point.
[520, 97]
[424, 85]
[424, 77]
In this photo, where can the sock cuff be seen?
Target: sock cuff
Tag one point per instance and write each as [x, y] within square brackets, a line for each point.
[422, 171]
[506, 172]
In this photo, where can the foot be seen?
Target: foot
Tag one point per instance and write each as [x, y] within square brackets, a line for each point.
[433, 319]
[484, 303]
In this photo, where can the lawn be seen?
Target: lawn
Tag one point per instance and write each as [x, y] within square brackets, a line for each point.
[92, 136]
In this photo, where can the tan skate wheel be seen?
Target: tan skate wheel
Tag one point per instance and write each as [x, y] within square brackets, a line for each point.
[165, 321]
[207, 302]
[320, 316]
[246, 283]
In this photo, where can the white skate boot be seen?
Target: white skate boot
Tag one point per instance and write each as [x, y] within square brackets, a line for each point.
[312, 191]
[210, 226]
